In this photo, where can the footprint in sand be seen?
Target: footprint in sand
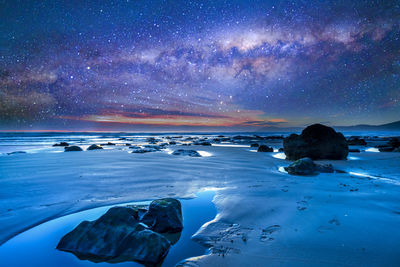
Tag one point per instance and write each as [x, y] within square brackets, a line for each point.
[266, 233]
[302, 205]
[333, 221]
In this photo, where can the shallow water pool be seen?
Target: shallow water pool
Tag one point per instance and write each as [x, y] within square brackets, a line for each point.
[37, 246]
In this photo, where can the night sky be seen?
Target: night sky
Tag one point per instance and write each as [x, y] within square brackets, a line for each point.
[179, 64]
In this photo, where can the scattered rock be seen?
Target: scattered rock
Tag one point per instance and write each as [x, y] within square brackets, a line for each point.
[16, 152]
[356, 141]
[94, 147]
[386, 149]
[264, 148]
[144, 150]
[108, 144]
[316, 142]
[254, 145]
[354, 150]
[324, 168]
[72, 148]
[202, 143]
[183, 152]
[304, 166]
[172, 143]
[61, 144]
[394, 142]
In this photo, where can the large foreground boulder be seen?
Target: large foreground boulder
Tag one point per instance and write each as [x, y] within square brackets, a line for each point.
[316, 142]
[116, 236]
[128, 233]
[164, 216]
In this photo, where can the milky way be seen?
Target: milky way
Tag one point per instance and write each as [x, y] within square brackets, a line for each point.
[198, 64]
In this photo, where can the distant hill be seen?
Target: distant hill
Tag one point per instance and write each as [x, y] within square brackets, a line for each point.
[393, 126]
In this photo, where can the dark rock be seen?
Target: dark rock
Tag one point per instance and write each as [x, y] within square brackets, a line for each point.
[304, 166]
[324, 168]
[316, 142]
[116, 236]
[172, 143]
[354, 150]
[396, 149]
[94, 147]
[281, 149]
[394, 142]
[386, 149]
[61, 144]
[164, 216]
[144, 150]
[202, 143]
[72, 148]
[183, 152]
[108, 144]
[356, 141]
[264, 148]
[254, 145]
[16, 152]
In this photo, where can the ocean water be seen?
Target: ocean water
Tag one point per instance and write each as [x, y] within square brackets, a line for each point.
[37, 246]
[33, 142]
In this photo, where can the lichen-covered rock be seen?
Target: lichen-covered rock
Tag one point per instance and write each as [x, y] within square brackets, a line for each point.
[316, 142]
[94, 147]
[304, 166]
[185, 152]
[72, 148]
[164, 216]
[264, 148]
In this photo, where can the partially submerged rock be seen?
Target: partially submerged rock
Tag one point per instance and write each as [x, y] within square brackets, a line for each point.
[254, 145]
[304, 166]
[185, 152]
[125, 234]
[72, 148]
[316, 142]
[356, 141]
[144, 150]
[94, 147]
[16, 152]
[61, 144]
[164, 216]
[202, 143]
[264, 148]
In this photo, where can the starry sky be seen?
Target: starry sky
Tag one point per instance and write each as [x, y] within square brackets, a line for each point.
[197, 65]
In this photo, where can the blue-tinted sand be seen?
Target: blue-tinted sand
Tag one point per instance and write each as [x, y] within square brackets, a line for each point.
[37, 246]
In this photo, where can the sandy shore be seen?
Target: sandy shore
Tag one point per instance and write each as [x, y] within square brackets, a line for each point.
[266, 217]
